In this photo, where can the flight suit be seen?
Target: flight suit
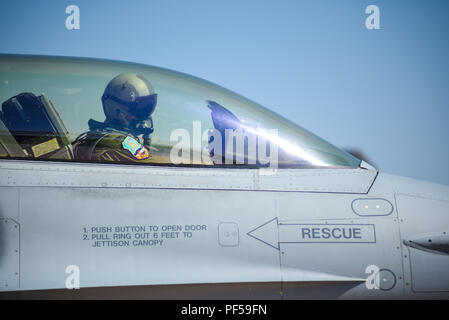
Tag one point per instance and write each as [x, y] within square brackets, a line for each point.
[104, 143]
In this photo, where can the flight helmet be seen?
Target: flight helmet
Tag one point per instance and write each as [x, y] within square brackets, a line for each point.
[128, 102]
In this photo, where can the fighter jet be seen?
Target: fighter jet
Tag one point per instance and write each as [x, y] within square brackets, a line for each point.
[122, 180]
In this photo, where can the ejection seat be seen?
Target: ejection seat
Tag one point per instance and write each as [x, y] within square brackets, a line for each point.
[30, 127]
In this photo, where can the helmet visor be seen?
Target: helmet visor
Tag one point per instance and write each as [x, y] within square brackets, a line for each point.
[144, 106]
[141, 107]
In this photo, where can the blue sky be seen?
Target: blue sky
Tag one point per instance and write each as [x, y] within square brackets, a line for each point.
[385, 92]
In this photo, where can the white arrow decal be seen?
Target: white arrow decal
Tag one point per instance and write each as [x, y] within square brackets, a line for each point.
[274, 233]
[267, 233]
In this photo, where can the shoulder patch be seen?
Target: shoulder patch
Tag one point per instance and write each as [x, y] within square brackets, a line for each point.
[137, 150]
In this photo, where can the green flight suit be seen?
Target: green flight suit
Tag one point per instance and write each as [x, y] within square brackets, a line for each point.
[103, 143]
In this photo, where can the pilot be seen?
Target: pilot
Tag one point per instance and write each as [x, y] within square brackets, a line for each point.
[128, 103]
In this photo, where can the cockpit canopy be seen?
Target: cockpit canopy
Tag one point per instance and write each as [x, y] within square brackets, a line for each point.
[195, 122]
